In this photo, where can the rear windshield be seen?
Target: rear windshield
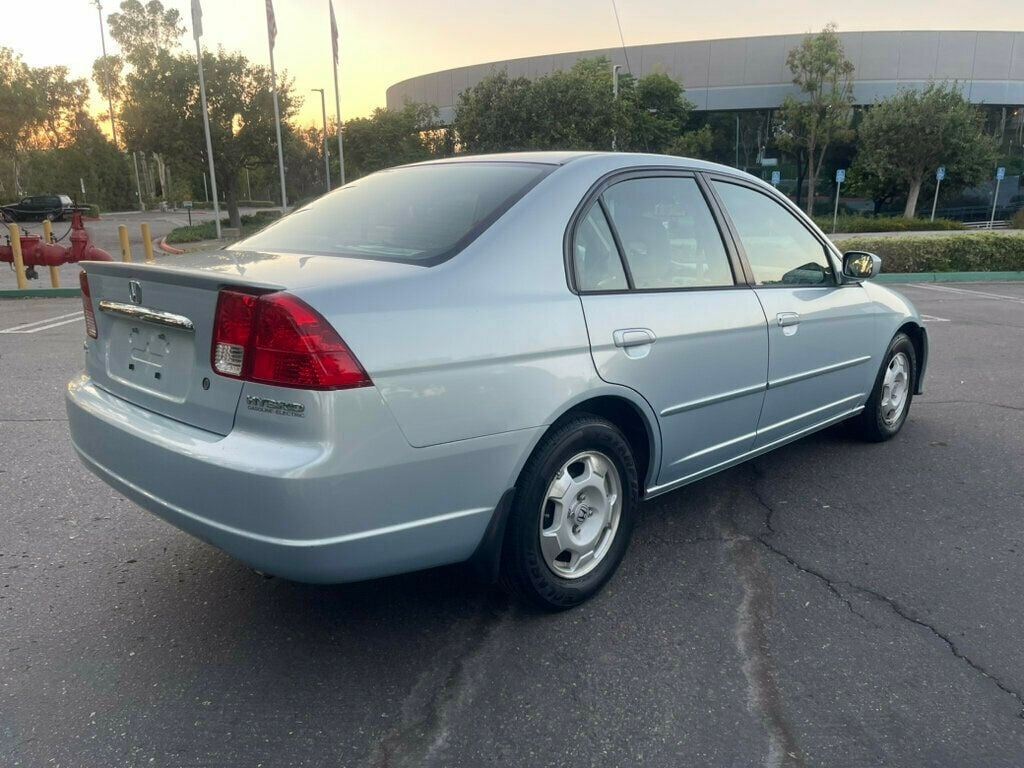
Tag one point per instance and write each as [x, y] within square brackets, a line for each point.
[418, 214]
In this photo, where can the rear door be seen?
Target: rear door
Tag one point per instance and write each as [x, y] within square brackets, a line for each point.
[820, 332]
[668, 318]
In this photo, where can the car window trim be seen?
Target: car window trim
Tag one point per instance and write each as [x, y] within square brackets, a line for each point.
[597, 190]
[630, 285]
[828, 248]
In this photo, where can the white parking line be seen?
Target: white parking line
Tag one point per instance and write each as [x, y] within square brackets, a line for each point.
[24, 327]
[37, 328]
[934, 319]
[969, 292]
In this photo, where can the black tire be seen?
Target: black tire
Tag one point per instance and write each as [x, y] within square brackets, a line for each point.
[871, 424]
[524, 571]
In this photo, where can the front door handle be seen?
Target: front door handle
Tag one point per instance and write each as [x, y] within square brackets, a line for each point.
[633, 337]
[786, 319]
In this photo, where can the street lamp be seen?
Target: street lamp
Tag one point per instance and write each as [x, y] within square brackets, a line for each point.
[327, 153]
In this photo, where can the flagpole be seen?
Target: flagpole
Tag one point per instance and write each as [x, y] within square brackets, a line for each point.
[206, 129]
[337, 98]
[277, 111]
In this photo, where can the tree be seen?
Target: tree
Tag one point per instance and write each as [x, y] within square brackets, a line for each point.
[390, 137]
[572, 109]
[143, 30]
[823, 112]
[21, 109]
[904, 138]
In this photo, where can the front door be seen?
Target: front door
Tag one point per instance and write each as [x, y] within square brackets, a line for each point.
[667, 318]
[820, 332]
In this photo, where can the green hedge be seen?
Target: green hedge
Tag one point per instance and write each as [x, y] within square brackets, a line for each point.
[981, 252]
[207, 231]
[885, 224]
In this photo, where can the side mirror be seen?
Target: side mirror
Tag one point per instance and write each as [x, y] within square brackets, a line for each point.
[861, 265]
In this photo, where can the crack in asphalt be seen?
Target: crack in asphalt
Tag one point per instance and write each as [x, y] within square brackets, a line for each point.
[753, 617]
[27, 421]
[904, 614]
[899, 610]
[426, 712]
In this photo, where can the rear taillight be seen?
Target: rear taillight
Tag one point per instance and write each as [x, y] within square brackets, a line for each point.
[278, 339]
[90, 316]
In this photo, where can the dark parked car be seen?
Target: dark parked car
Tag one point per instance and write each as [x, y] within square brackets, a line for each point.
[40, 207]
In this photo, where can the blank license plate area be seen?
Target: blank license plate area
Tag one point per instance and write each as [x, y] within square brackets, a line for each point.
[152, 358]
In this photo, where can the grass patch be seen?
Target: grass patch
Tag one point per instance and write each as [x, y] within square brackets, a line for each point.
[886, 224]
[251, 223]
[982, 252]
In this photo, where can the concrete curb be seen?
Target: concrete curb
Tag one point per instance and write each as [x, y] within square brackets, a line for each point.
[41, 293]
[949, 277]
[169, 248]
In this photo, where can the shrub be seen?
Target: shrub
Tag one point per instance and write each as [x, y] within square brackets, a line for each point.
[885, 224]
[981, 252]
[1017, 220]
[206, 231]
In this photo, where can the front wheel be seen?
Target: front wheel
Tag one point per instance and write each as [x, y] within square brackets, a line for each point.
[573, 514]
[886, 410]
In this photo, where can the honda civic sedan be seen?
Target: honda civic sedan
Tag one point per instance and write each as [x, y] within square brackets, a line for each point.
[491, 359]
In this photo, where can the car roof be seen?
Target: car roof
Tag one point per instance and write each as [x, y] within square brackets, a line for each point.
[625, 161]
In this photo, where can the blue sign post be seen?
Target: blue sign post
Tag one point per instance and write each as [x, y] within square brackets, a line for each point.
[1000, 175]
[840, 178]
[940, 174]
[776, 178]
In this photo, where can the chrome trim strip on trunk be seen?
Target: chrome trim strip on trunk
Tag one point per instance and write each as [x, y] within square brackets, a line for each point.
[155, 316]
[690, 405]
[817, 371]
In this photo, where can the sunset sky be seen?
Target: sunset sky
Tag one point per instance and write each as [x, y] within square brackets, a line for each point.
[384, 41]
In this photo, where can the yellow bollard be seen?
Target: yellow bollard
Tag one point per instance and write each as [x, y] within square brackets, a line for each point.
[147, 244]
[19, 262]
[126, 248]
[48, 238]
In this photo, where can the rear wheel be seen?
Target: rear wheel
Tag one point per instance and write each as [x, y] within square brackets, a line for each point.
[887, 409]
[573, 514]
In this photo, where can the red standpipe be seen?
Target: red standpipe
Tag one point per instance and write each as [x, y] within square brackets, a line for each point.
[36, 253]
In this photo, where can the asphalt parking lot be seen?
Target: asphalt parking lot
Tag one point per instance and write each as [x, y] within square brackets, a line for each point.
[830, 604]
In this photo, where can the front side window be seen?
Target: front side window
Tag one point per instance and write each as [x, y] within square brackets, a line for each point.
[668, 234]
[419, 214]
[598, 266]
[781, 251]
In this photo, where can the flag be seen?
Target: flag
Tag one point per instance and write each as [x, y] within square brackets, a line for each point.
[271, 23]
[334, 33]
[197, 19]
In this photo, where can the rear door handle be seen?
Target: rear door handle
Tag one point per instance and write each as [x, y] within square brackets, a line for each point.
[633, 337]
[786, 319]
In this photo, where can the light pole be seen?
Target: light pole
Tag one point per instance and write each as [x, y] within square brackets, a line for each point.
[615, 93]
[327, 152]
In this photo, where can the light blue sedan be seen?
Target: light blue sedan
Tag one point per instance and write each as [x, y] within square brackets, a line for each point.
[489, 358]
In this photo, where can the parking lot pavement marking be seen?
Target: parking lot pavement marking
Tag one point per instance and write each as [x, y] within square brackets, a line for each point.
[36, 329]
[24, 327]
[969, 292]
[934, 319]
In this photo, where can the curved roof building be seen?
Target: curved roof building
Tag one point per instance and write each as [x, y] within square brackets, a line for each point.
[751, 72]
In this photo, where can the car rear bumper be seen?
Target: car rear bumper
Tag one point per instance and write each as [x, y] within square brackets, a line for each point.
[315, 510]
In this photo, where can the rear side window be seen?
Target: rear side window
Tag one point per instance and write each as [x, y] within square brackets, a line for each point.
[668, 234]
[780, 249]
[598, 266]
[417, 214]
